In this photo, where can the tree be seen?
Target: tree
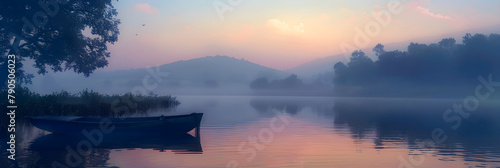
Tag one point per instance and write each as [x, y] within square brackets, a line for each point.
[51, 33]
[448, 43]
[477, 56]
[361, 69]
[290, 82]
[341, 75]
[378, 49]
[260, 83]
[393, 64]
[339, 66]
[358, 57]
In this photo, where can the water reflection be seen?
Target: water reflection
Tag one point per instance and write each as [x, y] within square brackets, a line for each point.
[59, 148]
[394, 123]
[264, 106]
[412, 121]
[292, 105]
[179, 144]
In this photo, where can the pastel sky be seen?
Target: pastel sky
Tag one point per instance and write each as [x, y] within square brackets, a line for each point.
[281, 33]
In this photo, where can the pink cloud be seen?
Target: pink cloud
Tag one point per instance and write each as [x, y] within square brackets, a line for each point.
[427, 12]
[146, 8]
[415, 3]
[284, 27]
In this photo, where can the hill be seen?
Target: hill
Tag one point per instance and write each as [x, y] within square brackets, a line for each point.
[209, 72]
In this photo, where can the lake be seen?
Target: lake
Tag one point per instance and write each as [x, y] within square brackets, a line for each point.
[248, 131]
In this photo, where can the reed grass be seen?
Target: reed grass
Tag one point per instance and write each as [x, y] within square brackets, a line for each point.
[86, 103]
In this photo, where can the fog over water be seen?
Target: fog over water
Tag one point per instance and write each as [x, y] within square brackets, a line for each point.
[314, 132]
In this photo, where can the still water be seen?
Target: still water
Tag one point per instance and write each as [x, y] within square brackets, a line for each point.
[246, 131]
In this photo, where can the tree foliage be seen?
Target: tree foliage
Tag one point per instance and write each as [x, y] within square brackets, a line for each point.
[439, 63]
[360, 70]
[57, 35]
[378, 50]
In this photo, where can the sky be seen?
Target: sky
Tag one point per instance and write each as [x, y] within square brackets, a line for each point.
[282, 34]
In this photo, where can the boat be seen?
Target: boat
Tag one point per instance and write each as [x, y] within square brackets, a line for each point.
[119, 126]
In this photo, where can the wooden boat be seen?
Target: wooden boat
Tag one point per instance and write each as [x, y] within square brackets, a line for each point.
[126, 126]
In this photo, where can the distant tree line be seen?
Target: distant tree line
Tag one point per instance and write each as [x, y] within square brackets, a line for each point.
[290, 82]
[442, 63]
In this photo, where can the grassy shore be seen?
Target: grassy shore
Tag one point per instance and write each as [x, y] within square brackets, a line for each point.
[85, 103]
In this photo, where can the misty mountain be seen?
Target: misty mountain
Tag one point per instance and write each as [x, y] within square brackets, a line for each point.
[219, 68]
[209, 72]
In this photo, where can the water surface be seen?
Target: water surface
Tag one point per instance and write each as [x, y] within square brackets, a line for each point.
[251, 131]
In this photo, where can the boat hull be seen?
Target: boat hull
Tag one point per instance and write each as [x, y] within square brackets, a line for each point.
[143, 125]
